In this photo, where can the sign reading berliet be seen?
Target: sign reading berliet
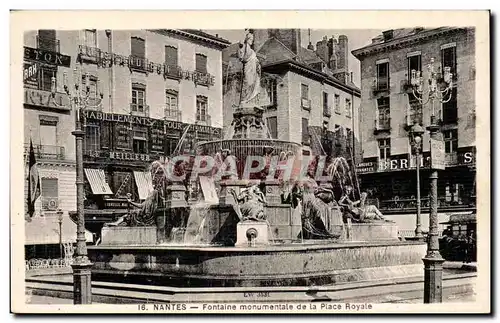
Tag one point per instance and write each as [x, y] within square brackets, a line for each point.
[163, 216]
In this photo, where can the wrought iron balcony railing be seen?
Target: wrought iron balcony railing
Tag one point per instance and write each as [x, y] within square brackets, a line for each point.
[173, 72]
[382, 124]
[50, 203]
[46, 151]
[173, 114]
[203, 78]
[203, 119]
[50, 44]
[139, 109]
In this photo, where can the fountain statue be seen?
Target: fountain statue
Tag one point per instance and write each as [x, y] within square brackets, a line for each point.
[260, 215]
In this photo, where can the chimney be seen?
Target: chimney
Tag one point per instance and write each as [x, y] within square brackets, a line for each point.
[322, 49]
[388, 34]
[343, 55]
[289, 37]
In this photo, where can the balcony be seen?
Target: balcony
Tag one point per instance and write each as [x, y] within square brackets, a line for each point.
[138, 64]
[203, 78]
[305, 104]
[139, 110]
[49, 44]
[382, 125]
[381, 85]
[46, 151]
[413, 119]
[203, 119]
[88, 54]
[327, 111]
[173, 114]
[173, 72]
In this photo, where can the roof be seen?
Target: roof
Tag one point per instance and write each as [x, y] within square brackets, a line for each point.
[308, 56]
[402, 37]
[195, 36]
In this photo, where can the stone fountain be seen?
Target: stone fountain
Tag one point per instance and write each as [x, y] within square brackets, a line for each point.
[259, 229]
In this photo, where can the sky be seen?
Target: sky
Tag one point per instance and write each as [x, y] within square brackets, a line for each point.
[357, 38]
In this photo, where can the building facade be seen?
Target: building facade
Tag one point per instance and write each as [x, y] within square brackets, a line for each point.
[307, 93]
[160, 92]
[389, 110]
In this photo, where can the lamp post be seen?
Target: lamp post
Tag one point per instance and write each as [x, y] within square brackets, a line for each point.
[60, 219]
[416, 138]
[79, 100]
[439, 89]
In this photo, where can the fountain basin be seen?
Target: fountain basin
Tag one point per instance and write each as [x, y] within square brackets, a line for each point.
[292, 264]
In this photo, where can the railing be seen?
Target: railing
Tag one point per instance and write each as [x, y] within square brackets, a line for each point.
[382, 84]
[173, 72]
[89, 53]
[383, 124]
[139, 110]
[138, 63]
[411, 203]
[46, 151]
[203, 119]
[203, 78]
[50, 44]
[305, 104]
[173, 114]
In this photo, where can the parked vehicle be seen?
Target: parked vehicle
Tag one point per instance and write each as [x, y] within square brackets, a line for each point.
[458, 241]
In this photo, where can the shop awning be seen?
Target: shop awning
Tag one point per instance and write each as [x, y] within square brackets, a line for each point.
[45, 230]
[144, 184]
[97, 181]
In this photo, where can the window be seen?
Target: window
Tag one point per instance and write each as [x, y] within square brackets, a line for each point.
[449, 58]
[383, 113]
[48, 137]
[201, 108]
[414, 63]
[348, 108]
[49, 187]
[45, 77]
[171, 105]
[201, 63]
[50, 193]
[384, 146]
[138, 53]
[271, 90]
[337, 103]
[326, 108]
[92, 137]
[304, 91]
[383, 76]
[450, 108]
[272, 125]
[140, 142]
[47, 40]
[350, 138]
[171, 58]
[90, 37]
[138, 99]
[416, 116]
[305, 131]
[450, 141]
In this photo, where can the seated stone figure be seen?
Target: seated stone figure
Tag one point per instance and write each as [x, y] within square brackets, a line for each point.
[360, 212]
[251, 203]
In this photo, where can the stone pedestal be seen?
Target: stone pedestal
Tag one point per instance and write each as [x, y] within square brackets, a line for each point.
[123, 236]
[225, 197]
[176, 196]
[252, 233]
[273, 192]
[248, 122]
[368, 232]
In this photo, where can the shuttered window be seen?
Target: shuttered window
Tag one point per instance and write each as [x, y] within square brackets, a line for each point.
[201, 63]
[50, 187]
[171, 58]
[138, 47]
[272, 125]
[305, 130]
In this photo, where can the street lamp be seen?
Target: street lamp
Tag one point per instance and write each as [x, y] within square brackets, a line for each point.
[60, 219]
[433, 262]
[79, 100]
[416, 139]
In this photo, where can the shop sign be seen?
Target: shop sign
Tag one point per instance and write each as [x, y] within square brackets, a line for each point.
[45, 99]
[366, 167]
[30, 72]
[118, 155]
[47, 57]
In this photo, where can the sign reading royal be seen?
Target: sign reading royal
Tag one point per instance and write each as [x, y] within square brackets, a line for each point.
[47, 57]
